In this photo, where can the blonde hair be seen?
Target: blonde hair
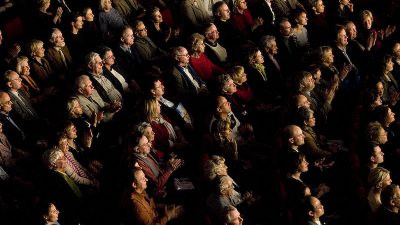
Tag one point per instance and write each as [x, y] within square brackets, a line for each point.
[150, 109]
[194, 41]
[34, 46]
[214, 166]
[18, 63]
[376, 177]
[366, 13]
[236, 72]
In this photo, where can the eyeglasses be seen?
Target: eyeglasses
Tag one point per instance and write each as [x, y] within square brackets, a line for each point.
[109, 57]
[186, 55]
[17, 79]
[143, 29]
[7, 103]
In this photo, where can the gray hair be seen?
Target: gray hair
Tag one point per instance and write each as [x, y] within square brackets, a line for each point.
[51, 156]
[266, 41]
[79, 81]
[90, 58]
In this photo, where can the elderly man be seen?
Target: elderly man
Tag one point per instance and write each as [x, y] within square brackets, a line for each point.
[142, 209]
[223, 111]
[106, 86]
[270, 51]
[213, 49]
[232, 216]
[11, 128]
[58, 54]
[92, 104]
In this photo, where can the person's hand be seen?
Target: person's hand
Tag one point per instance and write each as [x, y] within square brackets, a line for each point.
[371, 41]
[389, 30]
[175, 163]
[329, 94]
[115, 106]
[350, 6]
[323, 189]
[172, 211]
[248, 197]
[258, 21]
[345, 71]
[87, 138]
[59, 12]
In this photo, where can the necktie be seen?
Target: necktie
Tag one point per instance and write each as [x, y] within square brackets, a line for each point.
[28, 106]
[275, 63]
[15, 125]
[62, 56]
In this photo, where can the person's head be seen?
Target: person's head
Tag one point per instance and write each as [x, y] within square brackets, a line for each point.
[155, 15]
[84, 86]
[105, 5]
[304, 117]
[374, 153]
[376, 133]
[76, 21]
[238, 75]
[143, 146]
[300, 17]
[211, 32]
[221, 11]
[226, 84]
[127, 38]
[94, 63]
[22, 65]
[293, 136]
[232, 216]
[56, 38]
[12, 80]
[61, 142]
[74, 108]
[151, 109]
[396, 50]
[313, 209]
[139, 183]
[181, 55]
[305, 81]
[379, 178]
[366, 18]
[326, 55]
[390, 197]
[223, 130]
[139, 29]
[214, 167]
[196, 43]
[107, 55]
[285, 28]
[35, 48]
[268, 43]
[296, 163]
[54, 159]
[70, 130]
[154, 87]
[43, 4]
[144, 128]
[387, 63]
[315, 70]
[225, 185]
[351, 30]
[384, 115]
[222, 105]
[255, 57]
[300, 100]
[341, 36]
[47, 212]
[239, 5]
[88, 14]
[5, 102]
[318, 6]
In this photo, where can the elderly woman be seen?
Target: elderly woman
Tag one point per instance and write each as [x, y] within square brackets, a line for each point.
[141, 147]
[199, 61]
[328, 70]
[82, 123]
[110, 21]
[378, 179]
[243, 90]
[41, 68]
[167, 136]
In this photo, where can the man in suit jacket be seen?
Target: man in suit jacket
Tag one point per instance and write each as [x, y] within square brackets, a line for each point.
[92, 104]
[11, 128]
[195, 14]
[58, 54]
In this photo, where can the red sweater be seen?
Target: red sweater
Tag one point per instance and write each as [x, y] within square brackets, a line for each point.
[204, 68]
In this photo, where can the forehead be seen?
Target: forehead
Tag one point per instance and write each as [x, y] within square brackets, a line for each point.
[139, 175]
[221, 99]
[315, 201]
[5, 97]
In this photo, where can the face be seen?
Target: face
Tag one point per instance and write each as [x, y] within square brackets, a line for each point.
[140, 182]
[386, 181]
[15, 81]
[286, 28]
[379, 88]
[367, 22]
[223, 105]
[78, 24]
[378, 155]
[318, 207]
[40, 51]
[141, 30]
[224, 12]
[309, 83]
[319, 7]
[344, 2]
[71, 132]
[158, 89]
[26, 68]
[258, 58]
[109, 58]
[317, 76]
[77, 108]
[107, 5]
[389, 65]
[144, 145]
[97, 68]
[235, 218]
[396, 197]
[58, 39]
[241, 5]
[63, 145]
[302, 101]
[342, 38]
[396, 50]
[273, 49]
[311, 121]
[383, 138]
[302, 19]
[53, 214]
[128, 38]
[390, 116]
[242, 78]
[230, 87]
[157, 17]
[351, 31]
[303, 167]
[149, 133]
[212, 34]
[89, 16]
[329, 58]
[88, 88]
[298, 136]
[183, 57]
[6, 104]
[200, 46]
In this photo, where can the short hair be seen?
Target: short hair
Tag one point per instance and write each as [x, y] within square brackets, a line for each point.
[194, 41]
[53, 34]
[251, 55]
[222, 80]
[322, 52]
[236, 72]
[90, 59]
[141, 127]
[176, 51]
[7, 75]
[388, 193]
[103, 50]
[33, 46]
[380, 113]
[101, 4]
[228, 209]
[301, 80]
[302, 114]
[288, 132]
[51, 156]
[283, 20]
[153, 10]
[338, 28]
[70, 105]
[79, 81]
[207, 27]
[124, 30]
[266, 41]
[18, 63]
[74, 17]
[376, 176]
[372, 131]
[293, 162]
[216, 7]
[385, 59]
[223, 183]
[41, 3]
[213, 166]
[366, 13]
[135, 24]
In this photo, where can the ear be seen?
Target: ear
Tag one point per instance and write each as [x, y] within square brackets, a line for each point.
[153, 91]
[133, 184]
[219, 109]
[311, 213]
[372, 159]
[80, 90]
[9, 84]
[291, 140]
[313, 8]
